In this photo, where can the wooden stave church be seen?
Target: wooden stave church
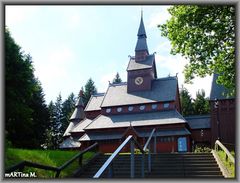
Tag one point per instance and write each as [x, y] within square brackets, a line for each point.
[143, 102]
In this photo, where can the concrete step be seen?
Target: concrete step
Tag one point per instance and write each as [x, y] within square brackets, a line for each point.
[173, 165]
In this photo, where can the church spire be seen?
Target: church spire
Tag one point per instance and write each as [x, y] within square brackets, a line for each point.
[141, 29]
[141, 50]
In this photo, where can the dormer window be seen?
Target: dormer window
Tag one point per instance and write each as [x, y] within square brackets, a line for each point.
[142, 107]
[165, 105]
[119, 109]
[108, 110]
[130, 108]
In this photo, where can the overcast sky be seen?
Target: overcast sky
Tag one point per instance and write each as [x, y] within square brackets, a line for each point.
[70, 44]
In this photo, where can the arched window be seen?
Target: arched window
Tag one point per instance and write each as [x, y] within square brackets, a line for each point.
[119, 109]
[130, 108]
[108, 110]
[142, 107]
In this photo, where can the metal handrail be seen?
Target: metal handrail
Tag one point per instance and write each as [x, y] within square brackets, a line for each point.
[112, 157]
[130, 138]
[21, 165]
[147, 145]
[77, 156]
[149, 139]
[218, 143]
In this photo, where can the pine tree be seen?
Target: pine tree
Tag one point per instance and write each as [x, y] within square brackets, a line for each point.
[58, 120]
[186, 102]
[26, 113]
[90, 89]
[201, 104]
[53, 133]
[117, 79]
[50, 130]
[40, 116]
[68, 107]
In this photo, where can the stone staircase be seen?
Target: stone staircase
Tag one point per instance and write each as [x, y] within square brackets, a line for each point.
[164, 165]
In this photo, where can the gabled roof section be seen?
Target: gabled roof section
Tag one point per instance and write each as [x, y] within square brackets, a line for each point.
[140, 119]
[218, 91]
[70, 142]
[81, 125]
[69, 128]
[146, 64]
[101, 136]
[163, 89]
[95, 101]
[199, 121]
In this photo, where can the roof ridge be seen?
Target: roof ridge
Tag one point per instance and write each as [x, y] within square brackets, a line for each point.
[118, 84]
[166, 78]
[198, 116]
[98, 94]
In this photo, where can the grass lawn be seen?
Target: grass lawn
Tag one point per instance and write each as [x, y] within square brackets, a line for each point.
[231, 168]
[53, 158]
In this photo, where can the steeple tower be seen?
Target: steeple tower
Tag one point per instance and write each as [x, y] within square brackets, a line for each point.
[77, 116]
[78, 113]
[141, 68]
[141, 50]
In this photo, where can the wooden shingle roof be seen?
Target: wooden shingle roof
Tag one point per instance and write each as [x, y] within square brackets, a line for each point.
[139, 119]
[163, 90]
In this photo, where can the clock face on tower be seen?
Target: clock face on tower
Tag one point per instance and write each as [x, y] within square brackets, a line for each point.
[138, 80]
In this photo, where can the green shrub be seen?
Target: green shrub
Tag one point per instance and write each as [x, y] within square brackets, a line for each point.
[202, 149]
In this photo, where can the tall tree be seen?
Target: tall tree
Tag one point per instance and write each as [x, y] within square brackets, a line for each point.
[54, 132]
[68, 107]
[24, 99]
[201, 104]
[59, 119]
[40, 116]
[50, 131]
[117, 79]
[186, 102]
[206, 36]
[89, 90]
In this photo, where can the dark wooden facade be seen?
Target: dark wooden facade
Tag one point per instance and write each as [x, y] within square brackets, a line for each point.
[226, 115]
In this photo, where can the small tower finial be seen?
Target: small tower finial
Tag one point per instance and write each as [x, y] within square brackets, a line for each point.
[81, 93]
[141, 12]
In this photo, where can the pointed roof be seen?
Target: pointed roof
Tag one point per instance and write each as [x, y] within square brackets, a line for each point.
[79, 102]
[141, 29]
[218, 91]
[78, 113]
[141, 42]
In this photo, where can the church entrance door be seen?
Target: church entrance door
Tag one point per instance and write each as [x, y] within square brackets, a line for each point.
[182, 144]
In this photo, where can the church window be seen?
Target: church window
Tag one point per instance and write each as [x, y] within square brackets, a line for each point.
[165, 105]
[130, 108]
[108, 110]
[142, 107]
[119, 109]
[154, 106]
